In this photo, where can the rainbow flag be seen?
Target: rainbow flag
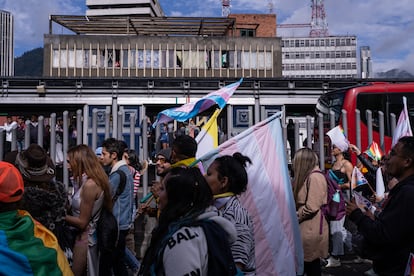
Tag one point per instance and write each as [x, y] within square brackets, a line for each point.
[29, 248]
[403, 127]
[187, 111]
[269, 197]
[374, 151]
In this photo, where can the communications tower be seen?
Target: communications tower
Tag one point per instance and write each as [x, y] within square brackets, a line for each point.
[225, 7]
[319, 26]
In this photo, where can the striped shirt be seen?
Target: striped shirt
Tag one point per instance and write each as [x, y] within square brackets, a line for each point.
[137, 178]
[243, 248]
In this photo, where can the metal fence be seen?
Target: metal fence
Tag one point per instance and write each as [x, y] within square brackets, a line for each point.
[301, 129]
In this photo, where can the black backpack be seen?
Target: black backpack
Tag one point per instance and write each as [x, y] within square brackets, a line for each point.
[220, 258]
[107, 226]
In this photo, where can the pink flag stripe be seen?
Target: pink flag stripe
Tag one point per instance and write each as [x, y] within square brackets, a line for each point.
[269, 197]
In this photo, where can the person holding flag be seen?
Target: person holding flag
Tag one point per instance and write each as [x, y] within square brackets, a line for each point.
[227, 178]
[370, 160]
[341, 172]
[390, 236]
[269, 186]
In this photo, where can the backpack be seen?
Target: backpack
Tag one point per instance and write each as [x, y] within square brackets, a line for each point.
[220, 258]
[107, 226]
[107, 230]
[334, 209]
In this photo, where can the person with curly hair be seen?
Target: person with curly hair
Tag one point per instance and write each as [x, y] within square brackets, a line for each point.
[45, 198]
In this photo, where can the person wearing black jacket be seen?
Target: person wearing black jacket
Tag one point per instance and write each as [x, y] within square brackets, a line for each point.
[389, 236]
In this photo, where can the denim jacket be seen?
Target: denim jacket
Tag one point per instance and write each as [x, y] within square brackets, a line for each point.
[123, 207]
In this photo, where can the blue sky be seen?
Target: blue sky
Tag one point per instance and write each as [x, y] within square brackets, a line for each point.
[387, 26]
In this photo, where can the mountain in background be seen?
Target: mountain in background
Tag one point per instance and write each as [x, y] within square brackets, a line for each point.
[30, 64]
[395, 73]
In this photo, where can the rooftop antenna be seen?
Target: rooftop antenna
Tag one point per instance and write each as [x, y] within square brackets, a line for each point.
[225, 7]
[270, 6]
[319, 26]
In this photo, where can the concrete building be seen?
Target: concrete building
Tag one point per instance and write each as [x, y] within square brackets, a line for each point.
[134, 46]
[319, 57]
[6, 44]
[365, 62]
[145, 8]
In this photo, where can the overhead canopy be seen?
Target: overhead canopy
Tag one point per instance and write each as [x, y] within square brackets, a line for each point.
[138, 25]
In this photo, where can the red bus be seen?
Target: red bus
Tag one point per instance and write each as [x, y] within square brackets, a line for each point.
[374, 96]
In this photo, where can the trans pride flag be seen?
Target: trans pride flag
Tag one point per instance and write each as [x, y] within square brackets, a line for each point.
[269, 197]
[28, 248]
[187, 111]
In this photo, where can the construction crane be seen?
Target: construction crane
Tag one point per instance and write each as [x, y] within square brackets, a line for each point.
[225, 7]
[318, 25]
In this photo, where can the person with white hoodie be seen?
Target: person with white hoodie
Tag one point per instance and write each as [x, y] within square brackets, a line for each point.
[191, 238]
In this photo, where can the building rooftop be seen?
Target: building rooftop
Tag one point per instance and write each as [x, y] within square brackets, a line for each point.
[137, 25]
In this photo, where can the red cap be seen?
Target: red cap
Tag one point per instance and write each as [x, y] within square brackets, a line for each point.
[11, 183]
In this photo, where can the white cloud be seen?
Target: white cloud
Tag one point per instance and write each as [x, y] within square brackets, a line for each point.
[31, 19]
[384, 25]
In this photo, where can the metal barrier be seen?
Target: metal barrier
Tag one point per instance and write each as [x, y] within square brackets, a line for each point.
[307, 127]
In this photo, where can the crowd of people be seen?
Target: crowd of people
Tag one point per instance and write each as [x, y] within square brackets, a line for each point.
[194, 214]
[19, 123]
[377, 229]
[195, 223]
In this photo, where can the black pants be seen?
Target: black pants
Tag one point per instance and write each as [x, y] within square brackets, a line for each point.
[313, 268]
[119, 255]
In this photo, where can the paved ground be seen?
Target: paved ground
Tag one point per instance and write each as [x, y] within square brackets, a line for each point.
[348, 268]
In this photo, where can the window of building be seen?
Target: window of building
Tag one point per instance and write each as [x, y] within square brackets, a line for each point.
[225, 59]
[247, 33]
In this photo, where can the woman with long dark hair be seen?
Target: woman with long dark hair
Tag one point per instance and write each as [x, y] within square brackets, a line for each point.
[189, 228]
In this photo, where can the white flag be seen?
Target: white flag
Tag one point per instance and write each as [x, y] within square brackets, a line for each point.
[403, 127]
[379, 187]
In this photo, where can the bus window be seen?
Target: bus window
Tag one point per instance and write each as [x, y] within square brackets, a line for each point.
[374, 103]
